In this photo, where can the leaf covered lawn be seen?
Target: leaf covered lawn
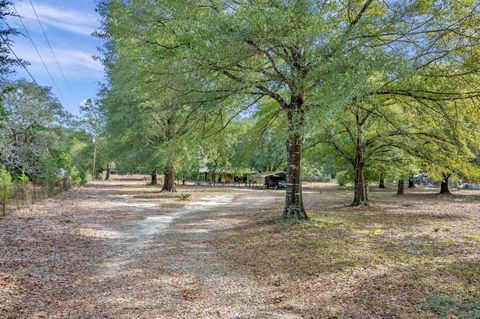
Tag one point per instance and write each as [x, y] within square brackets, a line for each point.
[416, 256]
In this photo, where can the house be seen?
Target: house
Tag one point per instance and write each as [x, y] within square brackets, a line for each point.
[225, 175]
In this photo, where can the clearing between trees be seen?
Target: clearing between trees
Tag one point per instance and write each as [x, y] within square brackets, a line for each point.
[121, 249]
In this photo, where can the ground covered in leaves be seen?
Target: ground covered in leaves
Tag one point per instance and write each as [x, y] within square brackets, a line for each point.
[122, 249]
[412, 256]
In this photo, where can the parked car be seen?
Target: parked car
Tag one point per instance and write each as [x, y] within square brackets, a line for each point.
[275, 182]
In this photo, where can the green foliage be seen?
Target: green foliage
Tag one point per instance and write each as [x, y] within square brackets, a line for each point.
[446, 307]
[183, 196]
[76, 176]
[23, 179]
[6, 61]
[5, 187]
[344, 177]
[31, 131]
[49, 174]
[376, 102]
[315, 173]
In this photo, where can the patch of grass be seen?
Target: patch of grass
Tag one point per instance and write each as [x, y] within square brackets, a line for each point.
[371, 231]
[474, 236]
[322, 221]
[449, 241]
[447, 307]
[183, 196]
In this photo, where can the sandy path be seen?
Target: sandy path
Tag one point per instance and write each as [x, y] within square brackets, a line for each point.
[137, 258]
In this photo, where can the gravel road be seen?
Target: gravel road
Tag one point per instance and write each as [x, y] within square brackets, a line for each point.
[123, 250]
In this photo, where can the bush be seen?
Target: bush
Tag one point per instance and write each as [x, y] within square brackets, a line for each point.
[343, 178]
[312, 173]
[5, 188]
[183, 196]
[50, 175]
[76, 176]
[23, 180]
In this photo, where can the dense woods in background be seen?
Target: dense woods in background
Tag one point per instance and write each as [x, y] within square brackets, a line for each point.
[372, 90]
[43, 148]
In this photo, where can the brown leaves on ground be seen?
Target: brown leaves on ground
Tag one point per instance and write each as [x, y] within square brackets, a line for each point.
[382, 261]
[123, 250]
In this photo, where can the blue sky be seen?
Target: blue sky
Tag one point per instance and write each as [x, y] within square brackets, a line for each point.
[68, 25]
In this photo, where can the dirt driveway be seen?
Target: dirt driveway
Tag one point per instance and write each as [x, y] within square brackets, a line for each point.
[123, 250]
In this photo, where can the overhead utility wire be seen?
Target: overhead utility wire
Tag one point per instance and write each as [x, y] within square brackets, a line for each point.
[51, 50]
[38, 53]
[19, 61]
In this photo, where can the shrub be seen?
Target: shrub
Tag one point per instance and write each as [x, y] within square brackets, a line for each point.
[183, 196]
[50, 174]
[76, 176]
[343, 178]
[5, 188]
[23, 180]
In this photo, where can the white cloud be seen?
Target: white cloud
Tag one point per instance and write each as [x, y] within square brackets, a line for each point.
[73, 21]
[84, 102]
[73, 62]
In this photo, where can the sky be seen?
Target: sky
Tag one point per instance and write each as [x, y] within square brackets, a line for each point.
[68, 25]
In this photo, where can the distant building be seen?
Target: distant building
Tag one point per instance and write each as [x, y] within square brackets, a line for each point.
[226, 175]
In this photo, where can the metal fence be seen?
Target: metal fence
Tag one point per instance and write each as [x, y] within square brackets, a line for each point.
[25, 194]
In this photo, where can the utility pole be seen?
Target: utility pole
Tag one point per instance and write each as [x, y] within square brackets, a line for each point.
[94, 176]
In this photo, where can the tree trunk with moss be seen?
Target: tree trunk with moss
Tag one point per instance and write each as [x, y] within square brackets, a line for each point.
[294, 197]
[168, 175]
[360, 196]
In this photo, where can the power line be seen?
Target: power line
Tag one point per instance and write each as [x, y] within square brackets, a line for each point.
[51, 50]
[19, 61]
[38, 53]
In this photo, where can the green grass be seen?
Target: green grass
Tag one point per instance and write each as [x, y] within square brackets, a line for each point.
[474, 236]
[183, 196]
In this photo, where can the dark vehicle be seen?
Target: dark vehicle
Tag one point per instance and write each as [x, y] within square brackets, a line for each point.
[277, 181]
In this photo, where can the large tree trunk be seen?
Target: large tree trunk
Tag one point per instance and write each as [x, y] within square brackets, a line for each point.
[294, 198]
[411, 182]
[360, 191]
[360, 196]
[444, 188]
[154, 178]
[169, 178]
[401, 187]
[107, 176]
[381, 184]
